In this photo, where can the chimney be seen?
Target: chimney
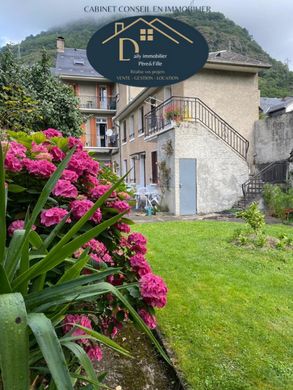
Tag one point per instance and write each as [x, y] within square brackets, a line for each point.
[118, 27]
[60, 44]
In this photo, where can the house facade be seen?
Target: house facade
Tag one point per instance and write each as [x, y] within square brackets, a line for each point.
[97, 99]
[193, 139]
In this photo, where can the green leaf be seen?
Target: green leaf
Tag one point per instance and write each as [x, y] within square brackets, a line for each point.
[74, 271]
[15, 188]
[2, 207]
[50, 294]
[50, 346]
[53, 259]
[14, 346]
[5, 286]
[13, 254]
[102, 339]
[84, 360]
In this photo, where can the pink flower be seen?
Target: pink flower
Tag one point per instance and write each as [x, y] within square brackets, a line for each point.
[12, 163]
[94, 353]
[52, 216]
[18, 150]
[71, 319]
[39, 148]
[57, 153]
[96, 258]
[140, 265]
[123, 227]
[69, 175]
[72, 141]
[124, 195]
[65, 189]
[96, 246]
[18, 224]
[119, 205]
[137, 242]
[50, 133]
[153, 290]
[148, 318]
[82, 163]
[81, 207]
[41, 168]
[99, 190]
[44, 156]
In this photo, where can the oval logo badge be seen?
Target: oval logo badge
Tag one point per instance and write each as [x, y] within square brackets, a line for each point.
[147, 51]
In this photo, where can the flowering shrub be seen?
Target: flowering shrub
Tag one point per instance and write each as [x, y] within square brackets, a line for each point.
[30, 160]
[173, 112]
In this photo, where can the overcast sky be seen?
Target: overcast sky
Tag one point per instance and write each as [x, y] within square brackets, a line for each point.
[270, 22]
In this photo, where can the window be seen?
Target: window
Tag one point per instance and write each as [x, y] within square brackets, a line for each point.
[124, 136]
[167, 92]
[125, 169]
[78, 61]
[147, 34]
[131, 127]
[132, 172]
[141, 120]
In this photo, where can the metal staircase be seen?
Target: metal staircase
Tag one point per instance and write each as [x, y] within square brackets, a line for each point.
[273, 173]
[191, 109]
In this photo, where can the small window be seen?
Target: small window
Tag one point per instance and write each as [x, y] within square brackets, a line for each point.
[131, 127]
[147, 34]
[124, 137]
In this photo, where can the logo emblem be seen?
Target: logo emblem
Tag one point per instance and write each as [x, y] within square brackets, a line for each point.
[147, 51]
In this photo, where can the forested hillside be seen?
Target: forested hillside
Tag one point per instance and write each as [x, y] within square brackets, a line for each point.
[220, 32]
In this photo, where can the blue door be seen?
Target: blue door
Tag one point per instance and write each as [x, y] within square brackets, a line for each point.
[187, 186]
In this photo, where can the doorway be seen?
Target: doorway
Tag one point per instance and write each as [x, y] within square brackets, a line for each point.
[101, 132]
[187, 186]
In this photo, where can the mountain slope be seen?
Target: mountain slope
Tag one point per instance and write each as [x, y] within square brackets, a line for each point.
[220, 32]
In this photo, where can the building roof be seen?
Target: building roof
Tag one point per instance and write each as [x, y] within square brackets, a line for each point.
[74, 62]
[229, 57]
[271, 105]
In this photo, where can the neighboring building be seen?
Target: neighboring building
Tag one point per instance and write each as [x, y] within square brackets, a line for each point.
[276, 106]
[194, 139]
[97, 97]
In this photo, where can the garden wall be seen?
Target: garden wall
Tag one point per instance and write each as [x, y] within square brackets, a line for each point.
[273, 138]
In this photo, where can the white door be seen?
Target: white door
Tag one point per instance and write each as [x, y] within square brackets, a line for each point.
[142, 170]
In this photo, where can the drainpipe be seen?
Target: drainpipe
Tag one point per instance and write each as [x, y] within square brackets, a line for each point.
[120, 148]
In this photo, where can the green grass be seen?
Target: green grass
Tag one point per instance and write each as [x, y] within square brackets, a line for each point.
[228, 318]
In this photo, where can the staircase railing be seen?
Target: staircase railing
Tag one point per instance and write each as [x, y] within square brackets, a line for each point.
[190, 109]
[275, 172]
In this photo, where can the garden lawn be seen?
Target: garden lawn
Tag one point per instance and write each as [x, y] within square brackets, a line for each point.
[229, 317]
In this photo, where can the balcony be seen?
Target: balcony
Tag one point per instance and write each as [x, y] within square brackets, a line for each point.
[104, 145]
[97, 104]
[176, 109]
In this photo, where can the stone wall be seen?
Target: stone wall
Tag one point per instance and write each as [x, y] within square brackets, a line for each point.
[273, 138]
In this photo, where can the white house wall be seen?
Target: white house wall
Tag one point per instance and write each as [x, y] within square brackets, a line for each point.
[220, 171]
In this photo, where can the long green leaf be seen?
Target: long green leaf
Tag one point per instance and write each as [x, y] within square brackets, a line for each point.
[42, 201]
[54, 233]
[14, 347]
[50, 346]
[2, 207]
[102, 339]
[53, 259]
[74, 271]
[13, 254]
[5, 287]
[51, 293]
[84, 360]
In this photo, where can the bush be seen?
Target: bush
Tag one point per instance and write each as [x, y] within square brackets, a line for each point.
[253, 217]
[278, 200]
[71, 256]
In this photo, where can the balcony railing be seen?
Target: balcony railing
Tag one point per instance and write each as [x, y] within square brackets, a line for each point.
[97, 102]
[184, 109]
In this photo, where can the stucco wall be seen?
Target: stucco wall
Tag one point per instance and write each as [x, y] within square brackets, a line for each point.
[232, 95]
[273, 138]
[220, 171]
